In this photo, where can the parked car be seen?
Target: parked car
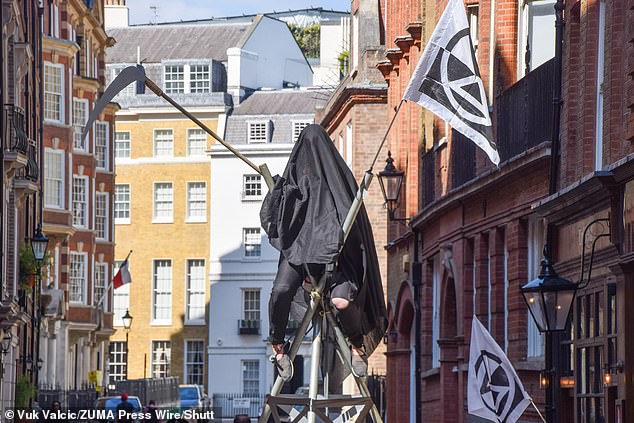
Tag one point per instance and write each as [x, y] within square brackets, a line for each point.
[192, 396]
[111, 403]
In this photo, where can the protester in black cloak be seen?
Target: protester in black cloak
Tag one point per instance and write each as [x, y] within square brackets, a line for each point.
[303, 217]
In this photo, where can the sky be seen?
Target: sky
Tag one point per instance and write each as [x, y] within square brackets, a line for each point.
[176, 10]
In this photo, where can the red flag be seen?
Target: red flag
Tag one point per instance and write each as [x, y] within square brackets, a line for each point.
[122, 277]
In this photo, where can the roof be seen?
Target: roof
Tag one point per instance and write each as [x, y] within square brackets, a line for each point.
[281, 102]
[158, 43]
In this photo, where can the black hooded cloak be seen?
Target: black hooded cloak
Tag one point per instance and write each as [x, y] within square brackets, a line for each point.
[303, 217]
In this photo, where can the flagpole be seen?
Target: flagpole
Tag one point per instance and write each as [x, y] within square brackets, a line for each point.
[378, 151]
[538, 412]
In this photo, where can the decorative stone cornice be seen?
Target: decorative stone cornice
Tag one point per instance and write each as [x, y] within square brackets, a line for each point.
[385, 67]
[404, 42]
[89, 84]
[394, 55]
[60, 46]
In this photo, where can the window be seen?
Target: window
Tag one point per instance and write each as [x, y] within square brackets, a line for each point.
[298, 127]
[122, 203]
[101, 144]
[194, 362]
[161, 356]
[163, 143]
[130, 89]
[120, 299]
[252, 242]
[80, 201]
[77, 277]
[251, 304]
[251, 377]
[258, 132]
[101, 276]
[163, 202]
[435, 348]
[196, 142]
[122, 145]
[162, 291]
[101, 215]
[252, 187]
[536, 36]
[117, 361]
[54, 92]
[535, 240]
[472, 16]
[195, 308]
[196, 201]
[174, 79]
[199, 78]
[80, 116]
[54, 178]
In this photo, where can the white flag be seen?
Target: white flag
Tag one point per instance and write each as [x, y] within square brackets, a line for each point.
[494, 391]
[447, 80]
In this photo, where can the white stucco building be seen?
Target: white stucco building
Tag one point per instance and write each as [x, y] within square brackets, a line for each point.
[243, 264]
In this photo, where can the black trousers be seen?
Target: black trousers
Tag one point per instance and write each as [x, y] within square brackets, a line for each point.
[287, 281]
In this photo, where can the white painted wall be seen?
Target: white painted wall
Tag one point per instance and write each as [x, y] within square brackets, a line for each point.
[268, 58]
[116, 16]
[230, 272]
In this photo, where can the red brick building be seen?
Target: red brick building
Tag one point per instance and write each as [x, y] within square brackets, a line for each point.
[78, 200]
[472, 240]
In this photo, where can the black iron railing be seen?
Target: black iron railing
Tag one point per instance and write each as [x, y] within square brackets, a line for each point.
[248, 327]
[429, 175]
[525, 112]
[463, 153]
[15, 135]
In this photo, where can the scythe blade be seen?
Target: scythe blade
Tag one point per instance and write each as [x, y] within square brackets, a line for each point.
[126, 77]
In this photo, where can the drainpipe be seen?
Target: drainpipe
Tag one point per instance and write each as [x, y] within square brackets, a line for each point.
[417, 281]
[552, 353]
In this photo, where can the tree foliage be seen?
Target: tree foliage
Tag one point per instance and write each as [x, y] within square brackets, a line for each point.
[308, 38]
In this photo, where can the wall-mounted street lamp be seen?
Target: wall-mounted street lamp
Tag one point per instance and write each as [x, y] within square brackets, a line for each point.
[391, 180]
[39, 243]
[5, 344]
[127, 324]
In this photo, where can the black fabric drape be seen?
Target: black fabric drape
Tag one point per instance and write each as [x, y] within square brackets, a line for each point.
[303, 217]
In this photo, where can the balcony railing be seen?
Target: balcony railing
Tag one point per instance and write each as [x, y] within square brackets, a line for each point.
[15, 135]
[248, 327]
[525, 112]
[428, 177]
[463, 165]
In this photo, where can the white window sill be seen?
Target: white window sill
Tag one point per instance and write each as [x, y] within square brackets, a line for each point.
[82, 152]
[122, 221]
[54, 208]
[195, 323]
[58, 123]
[196, 220]
[252, 258]
[163, 221]
[161, 323]
[252, 199]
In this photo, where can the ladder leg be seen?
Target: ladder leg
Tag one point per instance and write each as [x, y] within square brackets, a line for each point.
[315, 361]
[344, 351]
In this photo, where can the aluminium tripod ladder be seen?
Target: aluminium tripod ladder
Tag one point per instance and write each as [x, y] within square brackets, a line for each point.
[315, 406]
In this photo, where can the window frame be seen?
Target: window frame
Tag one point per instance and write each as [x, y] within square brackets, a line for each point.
[255, 379]
[188, 137]
[245, 190]
[60, 94]
[256, 302]
[294, 124]
[122, 220]
[86, 185]
[77, 136]
[190, 291]
[155, 149]
[117, 142]
[188, 216]
[84, 283]
[121, 364]
[167, 348]
[162, 219]
[267, 131]
[118, 295]
[187, 363]
[105, 147]
[245, 245]
[106, 216]
[62, 181]
[95, 298]
[167, 291]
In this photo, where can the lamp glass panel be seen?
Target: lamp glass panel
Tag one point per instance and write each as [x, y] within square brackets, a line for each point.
[557, 305]
[536, 307]
[393, 187]
[39, 248]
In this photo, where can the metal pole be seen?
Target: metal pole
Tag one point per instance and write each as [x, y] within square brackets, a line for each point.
[262, 169]
[315, 359]
[127, 353]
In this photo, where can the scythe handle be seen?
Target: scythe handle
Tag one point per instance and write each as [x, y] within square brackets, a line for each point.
[262, 170]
